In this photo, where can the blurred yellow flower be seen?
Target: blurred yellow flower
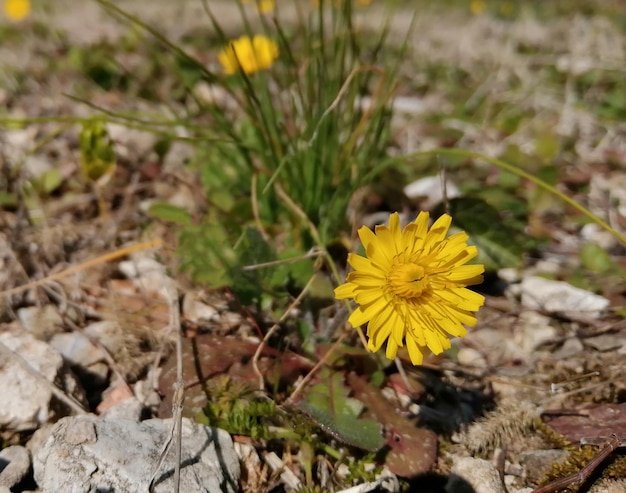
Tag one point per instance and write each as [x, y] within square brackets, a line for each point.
[264, 6]
[411, 287]
[248, 54]
[477, 6]
[16, 10]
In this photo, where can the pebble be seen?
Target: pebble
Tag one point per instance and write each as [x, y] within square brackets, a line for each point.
[31, 400]
[14, 465]
[479, 473]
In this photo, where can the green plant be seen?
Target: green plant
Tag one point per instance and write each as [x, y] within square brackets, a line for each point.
[289, 142]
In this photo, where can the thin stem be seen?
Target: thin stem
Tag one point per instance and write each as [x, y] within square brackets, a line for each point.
[274, 328]
[507, 167]
[581, 476]
[83, 266]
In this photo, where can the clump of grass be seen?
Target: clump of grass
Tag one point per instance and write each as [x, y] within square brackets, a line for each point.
[300, 121]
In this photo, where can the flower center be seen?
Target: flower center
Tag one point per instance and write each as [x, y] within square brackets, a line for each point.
[408, 280]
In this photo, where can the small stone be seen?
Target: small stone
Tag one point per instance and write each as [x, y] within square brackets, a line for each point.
[113, 399]
[468, 356]
[14, 465]
[147, 273]
[195, 311]
[605, 342]
[570, 347]
[431, 188]
[107, 333]
[41, 321]
[481, 475]
[76, 348]
[533, 331]
[537, 462]
[31, 402]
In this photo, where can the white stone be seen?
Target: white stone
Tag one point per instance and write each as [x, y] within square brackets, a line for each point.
[468, 356]
[29, 405]
[481, 474]
[534, 330]
[558, 296]
[76, 348]
[431, 187]
[14, 465]
[107, 333]
[87, 453]
[196, 311]
[41, 321]
[147, 272]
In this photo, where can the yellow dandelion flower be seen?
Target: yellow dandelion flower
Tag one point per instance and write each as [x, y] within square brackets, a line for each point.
[477, 7]
[248, 54]
[411, 287]
[264, 6]
[16, 10]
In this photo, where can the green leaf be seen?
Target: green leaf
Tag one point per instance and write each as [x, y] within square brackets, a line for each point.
[48, 182]
[547, 146]
[205, 253]
[8, 199]
[595, 258]
[329, 405]
[170, 213]
[97, 156]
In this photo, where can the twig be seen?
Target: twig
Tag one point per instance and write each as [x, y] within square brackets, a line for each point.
[83, 266]
[274, 328]
[178, 398]
[314, 370]
[312, 253]
[581, 476]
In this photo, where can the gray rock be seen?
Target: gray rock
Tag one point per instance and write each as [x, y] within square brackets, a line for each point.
[571, 347]
[14, 465]
[481, 474]
[534, 330]
[23, 375]
[87, 453]
[76, 348]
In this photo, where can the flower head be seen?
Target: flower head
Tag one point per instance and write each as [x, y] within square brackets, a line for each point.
[264, 6]
[248, 54]
[411, 287]
[16, 10]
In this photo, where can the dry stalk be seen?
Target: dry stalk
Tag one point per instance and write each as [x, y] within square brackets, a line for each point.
[274, 328]
[175, 435]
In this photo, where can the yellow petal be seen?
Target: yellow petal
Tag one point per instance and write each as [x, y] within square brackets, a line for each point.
[392, 349]
[345, 291]
[358, 318]
[375, 307]
[367, 279]
[367, 296]
[359, 263]
[465, 273]
[416, 353]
